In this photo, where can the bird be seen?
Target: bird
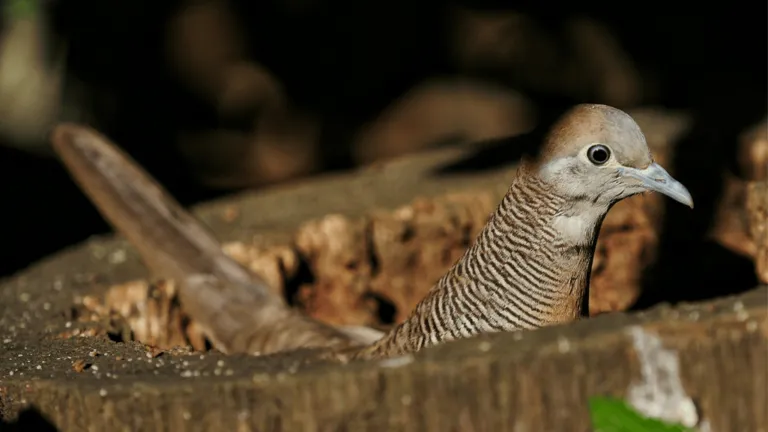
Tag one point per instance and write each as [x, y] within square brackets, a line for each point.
[529, 267]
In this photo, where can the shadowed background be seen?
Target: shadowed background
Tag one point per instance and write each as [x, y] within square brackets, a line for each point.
[216, 96]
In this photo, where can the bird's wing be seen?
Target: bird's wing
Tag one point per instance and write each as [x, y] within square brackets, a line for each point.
[235, 308]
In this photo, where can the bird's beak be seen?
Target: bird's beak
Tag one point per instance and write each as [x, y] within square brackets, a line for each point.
[656, 178]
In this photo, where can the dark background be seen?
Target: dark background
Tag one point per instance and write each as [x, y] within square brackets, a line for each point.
[346, 61]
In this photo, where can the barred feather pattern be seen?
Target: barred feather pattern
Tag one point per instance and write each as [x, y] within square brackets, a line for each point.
[518, 274]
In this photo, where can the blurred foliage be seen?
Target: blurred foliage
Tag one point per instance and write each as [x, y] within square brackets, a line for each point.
[19, 9]
[614, 415]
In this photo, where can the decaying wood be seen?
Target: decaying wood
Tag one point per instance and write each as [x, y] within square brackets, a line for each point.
[738, 216]
[757, 209]
[151, 312]
[364, 269]
[396, 256]
[731, 226]
[754, 158]
[753, 152]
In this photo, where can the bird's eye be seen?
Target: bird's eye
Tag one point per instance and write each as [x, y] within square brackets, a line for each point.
[598, 154]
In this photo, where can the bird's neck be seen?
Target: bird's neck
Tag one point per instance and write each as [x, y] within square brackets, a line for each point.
[529, 267]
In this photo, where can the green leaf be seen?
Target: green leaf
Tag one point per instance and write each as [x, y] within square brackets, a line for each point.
[614, 415]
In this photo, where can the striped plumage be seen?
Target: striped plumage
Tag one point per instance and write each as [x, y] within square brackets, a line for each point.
[520, 273]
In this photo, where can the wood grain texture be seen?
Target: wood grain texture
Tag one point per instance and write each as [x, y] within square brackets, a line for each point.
[536, 382]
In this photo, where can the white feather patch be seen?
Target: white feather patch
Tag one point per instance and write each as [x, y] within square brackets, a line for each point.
[576, 230]
[361, 334]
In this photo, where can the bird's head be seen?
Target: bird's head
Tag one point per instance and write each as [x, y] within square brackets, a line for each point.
[598, 153]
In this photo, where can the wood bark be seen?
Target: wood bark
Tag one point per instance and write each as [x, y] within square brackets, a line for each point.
[509, 382]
